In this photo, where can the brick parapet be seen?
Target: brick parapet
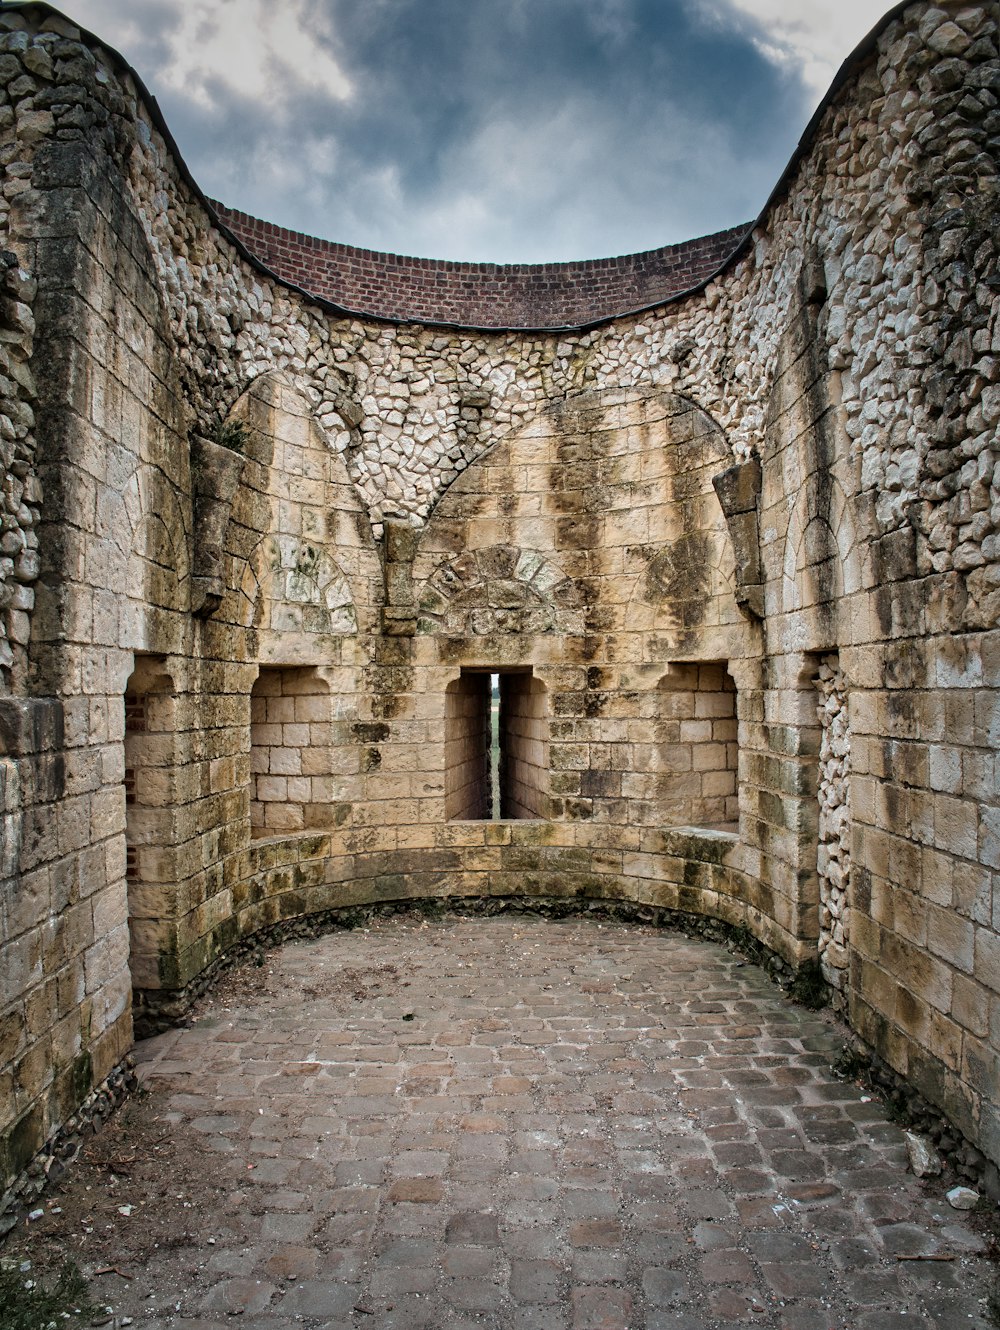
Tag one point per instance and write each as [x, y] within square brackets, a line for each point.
[482, 295]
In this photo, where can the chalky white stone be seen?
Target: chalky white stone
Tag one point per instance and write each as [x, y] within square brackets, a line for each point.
[833, 858]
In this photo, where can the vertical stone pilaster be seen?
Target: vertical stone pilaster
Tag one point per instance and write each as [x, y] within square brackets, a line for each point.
[399, 548]
[834, 849]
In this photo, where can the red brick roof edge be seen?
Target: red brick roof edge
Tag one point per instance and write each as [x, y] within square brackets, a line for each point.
[483, 295]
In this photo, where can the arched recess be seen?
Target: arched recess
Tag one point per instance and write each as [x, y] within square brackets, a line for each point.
[152, 765]
[292, 753]
[612, 489]
[696, 748]
[149, 560]
[815, 560]
[294, 587]
[683, 592]
[306, 562]
[823, 561]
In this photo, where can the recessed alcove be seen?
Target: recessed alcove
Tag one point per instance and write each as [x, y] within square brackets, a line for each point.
[150, 739]
[699, 749]
[496, 746]
[289, 751]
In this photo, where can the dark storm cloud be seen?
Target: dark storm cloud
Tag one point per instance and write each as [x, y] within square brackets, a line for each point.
[490, 129]
[628, 124]
[146, 28]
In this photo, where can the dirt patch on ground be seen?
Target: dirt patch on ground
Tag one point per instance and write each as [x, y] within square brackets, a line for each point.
[148, 1187]
[354, 984]
[254, 981]
[142, 1188]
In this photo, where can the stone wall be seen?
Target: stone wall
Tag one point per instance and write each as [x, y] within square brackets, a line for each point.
[834, 859]
[241, 686]
[467, 747]
[524, 748]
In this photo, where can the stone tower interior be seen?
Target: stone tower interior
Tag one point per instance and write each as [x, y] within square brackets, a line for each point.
[719, 524]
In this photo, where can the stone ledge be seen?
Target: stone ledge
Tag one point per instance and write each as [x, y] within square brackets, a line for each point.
[706, 844]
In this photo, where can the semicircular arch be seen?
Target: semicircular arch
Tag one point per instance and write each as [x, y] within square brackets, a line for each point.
[499, 589]
[147, 541]
[292, 585]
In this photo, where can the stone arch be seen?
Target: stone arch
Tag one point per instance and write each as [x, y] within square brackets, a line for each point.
[822, 559]
[693, 570]
[500, 589]
[307, 557]
[292, 585]
[277, 390]
[689, 569]
[615, 490]
[147, 547]
[853, 553]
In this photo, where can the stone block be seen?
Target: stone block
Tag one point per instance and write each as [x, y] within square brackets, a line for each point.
[30, 726]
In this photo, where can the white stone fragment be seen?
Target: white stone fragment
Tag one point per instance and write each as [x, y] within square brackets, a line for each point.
[924, 1159]
[962, 1198]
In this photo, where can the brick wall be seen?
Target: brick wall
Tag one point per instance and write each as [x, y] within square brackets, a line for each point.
[482, 295]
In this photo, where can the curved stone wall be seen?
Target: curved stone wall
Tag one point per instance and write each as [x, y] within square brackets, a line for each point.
[658, 533]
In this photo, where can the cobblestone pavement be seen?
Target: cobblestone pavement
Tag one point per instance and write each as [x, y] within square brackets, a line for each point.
[528, 1125]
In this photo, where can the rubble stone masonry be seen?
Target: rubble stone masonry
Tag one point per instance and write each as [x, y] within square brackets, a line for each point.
[735, 559]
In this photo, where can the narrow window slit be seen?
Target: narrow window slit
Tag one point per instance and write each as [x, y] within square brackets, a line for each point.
[496, 746]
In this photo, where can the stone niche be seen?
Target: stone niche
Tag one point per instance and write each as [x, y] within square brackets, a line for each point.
[496, 746]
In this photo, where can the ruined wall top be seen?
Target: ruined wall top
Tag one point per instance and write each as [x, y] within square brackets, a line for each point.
[482, 295]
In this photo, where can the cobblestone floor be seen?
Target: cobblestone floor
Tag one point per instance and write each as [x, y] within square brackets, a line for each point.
[528, 1125]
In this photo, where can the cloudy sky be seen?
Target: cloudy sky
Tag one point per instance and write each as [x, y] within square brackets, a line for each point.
[504, 130]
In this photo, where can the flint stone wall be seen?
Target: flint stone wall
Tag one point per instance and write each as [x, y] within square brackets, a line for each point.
[834, 860]
[797, 461]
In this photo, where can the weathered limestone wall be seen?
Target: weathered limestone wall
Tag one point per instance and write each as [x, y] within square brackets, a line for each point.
[239, 686]
[524, 722]
[98, 383]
